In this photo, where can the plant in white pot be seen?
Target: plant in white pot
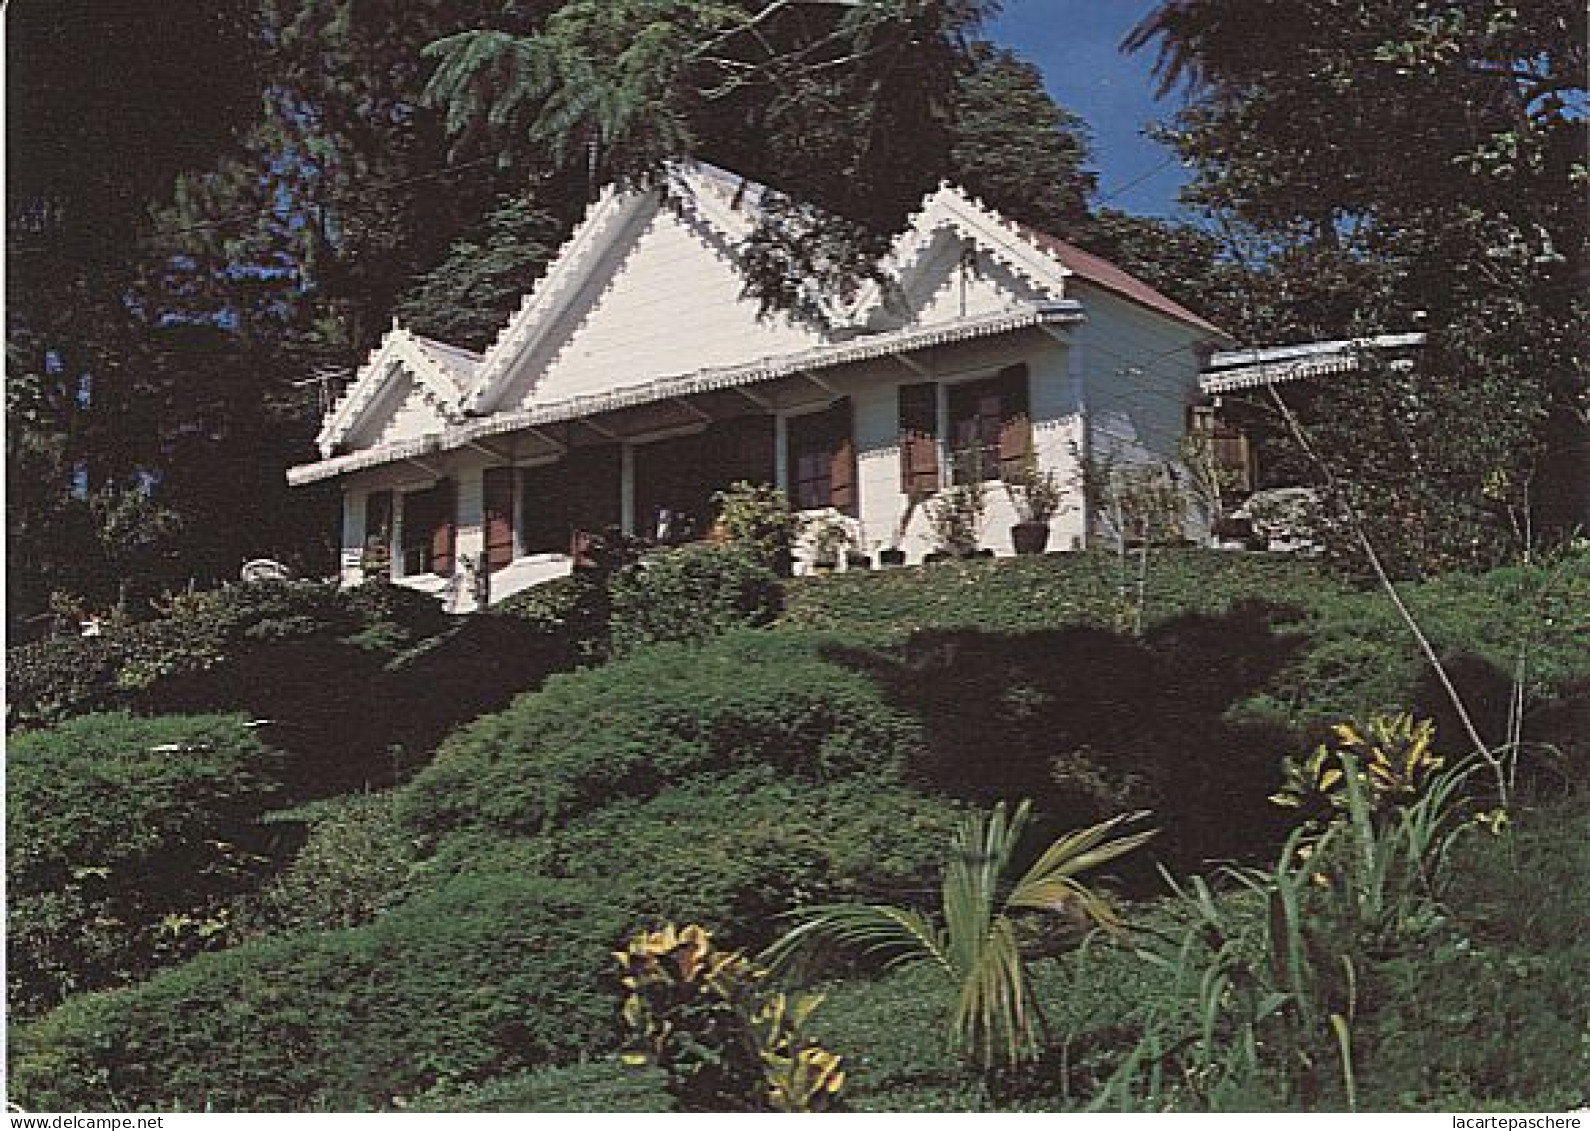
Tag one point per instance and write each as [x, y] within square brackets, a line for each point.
[830, 538]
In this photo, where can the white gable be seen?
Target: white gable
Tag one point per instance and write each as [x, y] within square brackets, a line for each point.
[404, 410]
[669, 303]
[958, 279]
[933, 270]
[399, 371]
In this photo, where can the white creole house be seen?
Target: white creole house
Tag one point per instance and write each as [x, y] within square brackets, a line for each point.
[638, 378]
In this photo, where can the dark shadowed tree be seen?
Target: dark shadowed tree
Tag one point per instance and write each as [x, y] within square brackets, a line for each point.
[1397, 166]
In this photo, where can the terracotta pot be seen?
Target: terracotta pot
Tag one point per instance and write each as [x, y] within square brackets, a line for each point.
[1030, 537]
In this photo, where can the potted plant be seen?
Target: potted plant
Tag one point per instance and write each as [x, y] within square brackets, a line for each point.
[956, 518]
[829, 540]
[376, 559]
[1037, 497]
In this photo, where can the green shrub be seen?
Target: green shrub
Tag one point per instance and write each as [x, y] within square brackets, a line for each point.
[486, 976]
[66, 675]
[757, 518]
[657, 719]
[354, 863]
[691, 593]
[735, 854]
[574, 607]
[195, 633]
[126, 839]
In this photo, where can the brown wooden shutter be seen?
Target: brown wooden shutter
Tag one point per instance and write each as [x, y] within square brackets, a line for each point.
[498, 516]
[919, 444]
[378, 521]
[444, 533]
[1015, 425]
[843, 493]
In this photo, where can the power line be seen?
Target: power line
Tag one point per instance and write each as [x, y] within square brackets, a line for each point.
[1135, 181]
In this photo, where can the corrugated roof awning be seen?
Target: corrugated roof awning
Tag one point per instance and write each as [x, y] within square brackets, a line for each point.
[1231, 370]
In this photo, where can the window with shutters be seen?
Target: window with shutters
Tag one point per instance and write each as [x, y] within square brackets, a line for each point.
[822, 459]
[989, 429]
[428, 530]
[919, 443]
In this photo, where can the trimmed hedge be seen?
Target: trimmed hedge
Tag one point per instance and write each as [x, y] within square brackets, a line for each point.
[126, 838]
[491, 974]
[656, 720]
[355, 863]
[691, 593]
[734, 854]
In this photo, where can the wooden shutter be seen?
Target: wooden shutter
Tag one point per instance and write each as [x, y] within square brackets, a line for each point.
[919, 442]
[843, 492]
[498, 517]
[1015, 425]
[444, 531]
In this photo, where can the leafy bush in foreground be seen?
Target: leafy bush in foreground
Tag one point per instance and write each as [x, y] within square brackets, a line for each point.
[355, 862]
[737, 853]
[486, 976]
[657, 719]
[691, 593]
[126, 838]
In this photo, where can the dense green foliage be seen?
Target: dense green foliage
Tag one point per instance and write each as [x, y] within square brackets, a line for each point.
[1384, 167]
[126, 839]
[737, 852]
[355, 862]
[824, 761]
[357, 686]
[638, 726]
[691, 593]
[482, 977]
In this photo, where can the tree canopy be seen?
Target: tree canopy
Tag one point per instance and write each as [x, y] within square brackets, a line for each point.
[1380, 166]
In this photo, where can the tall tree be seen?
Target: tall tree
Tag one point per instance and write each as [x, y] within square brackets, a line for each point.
[106, 108]
[1388, 165]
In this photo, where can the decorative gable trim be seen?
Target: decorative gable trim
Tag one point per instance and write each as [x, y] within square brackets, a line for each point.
[951, 209]
[610, 220]
[398, 351]
[605, 220]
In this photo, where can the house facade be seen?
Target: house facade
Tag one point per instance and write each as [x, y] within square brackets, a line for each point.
[639, 377]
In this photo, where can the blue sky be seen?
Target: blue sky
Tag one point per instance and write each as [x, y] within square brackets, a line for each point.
[1076, 44]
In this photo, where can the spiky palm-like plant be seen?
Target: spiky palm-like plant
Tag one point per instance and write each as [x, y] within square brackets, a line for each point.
[975, 945]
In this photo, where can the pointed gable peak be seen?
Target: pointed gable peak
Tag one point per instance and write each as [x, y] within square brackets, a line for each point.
[399, 352]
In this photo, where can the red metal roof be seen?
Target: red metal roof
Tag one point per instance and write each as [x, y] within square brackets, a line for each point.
[1102, 273]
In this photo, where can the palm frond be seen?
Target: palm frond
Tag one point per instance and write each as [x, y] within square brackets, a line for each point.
[898, 935]
[993, 1021]
[1050, 883]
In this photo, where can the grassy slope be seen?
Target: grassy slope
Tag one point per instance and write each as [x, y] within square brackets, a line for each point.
[1350, 655]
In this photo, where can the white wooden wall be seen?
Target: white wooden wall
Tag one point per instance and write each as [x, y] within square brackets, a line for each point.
[663, 305]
